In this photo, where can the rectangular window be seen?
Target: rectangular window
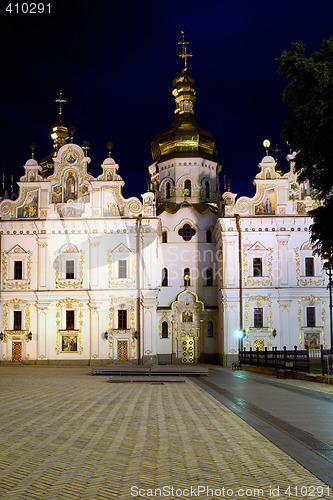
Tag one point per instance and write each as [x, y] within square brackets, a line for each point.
[257, 266]
[18, 269]
[70, 270]
[258, 317]
[209, 276]
[17, 320]
[122, 319]
[70, 320]
[309, 266]
[122, 269]
[310, 316]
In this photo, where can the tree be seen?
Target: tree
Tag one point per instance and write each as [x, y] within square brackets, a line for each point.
[321, 228]
[309, 128]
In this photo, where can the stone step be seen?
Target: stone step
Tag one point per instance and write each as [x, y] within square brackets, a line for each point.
[156, 370]
[150, 380]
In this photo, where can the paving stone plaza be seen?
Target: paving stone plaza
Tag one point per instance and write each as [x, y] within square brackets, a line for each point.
[66, 435]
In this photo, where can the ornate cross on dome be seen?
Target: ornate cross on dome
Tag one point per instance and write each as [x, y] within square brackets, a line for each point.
[184, 55]
[276, 151]
[61, 100]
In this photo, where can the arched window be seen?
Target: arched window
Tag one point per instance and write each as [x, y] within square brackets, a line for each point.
[207, 190]
[188, 187]
[164, 237]
[209, 276]
[165, 330]
[187, 276]
[210, 329]
[167, 190]
[208, 236]
[164, 276]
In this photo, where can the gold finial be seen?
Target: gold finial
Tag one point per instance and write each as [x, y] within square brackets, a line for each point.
[266, 145]
[187, 280]
[33, 149]
[61, 100]
[85, 147]
[276, 151]
[184, 55]
[11, 183]
[72, 130]
[109, 146]
[3, 181]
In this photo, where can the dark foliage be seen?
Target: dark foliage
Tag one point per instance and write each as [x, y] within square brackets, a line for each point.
[309, 128]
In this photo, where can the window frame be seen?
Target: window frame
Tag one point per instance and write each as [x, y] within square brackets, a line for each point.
[18, 270]
[165, 331]
[257, 265]
[17, 320]
[188, 186]
[168, 190]
[309, 262]
[70, 319]
[207, 190]
[188, 230]
[210, 329]
[310, 317]
[70, 274]
[209, 276]
[165, 277]
[122, 269]
[122, 319]
[258, 317]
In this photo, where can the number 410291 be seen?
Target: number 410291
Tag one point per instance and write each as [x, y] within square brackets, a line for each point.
[29, 8]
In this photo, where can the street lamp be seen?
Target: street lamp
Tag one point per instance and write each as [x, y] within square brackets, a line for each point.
[327, 264]
[240, 334]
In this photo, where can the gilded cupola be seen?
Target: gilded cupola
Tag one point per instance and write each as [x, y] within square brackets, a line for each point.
[184, 138]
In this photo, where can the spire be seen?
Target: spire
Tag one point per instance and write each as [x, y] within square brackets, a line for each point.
[61, 100]
[184, 55]
[59, 129]
[183, 138]
[183, 82]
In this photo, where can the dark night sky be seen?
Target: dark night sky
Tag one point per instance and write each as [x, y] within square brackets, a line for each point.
[115, 62]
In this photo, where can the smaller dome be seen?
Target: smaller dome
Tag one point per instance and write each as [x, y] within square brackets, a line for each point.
[31, 163]
[108, 161]
[268, 160]
[183, 77]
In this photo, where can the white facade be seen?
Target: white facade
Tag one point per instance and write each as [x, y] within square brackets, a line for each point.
[88, 276]
[74, 254]
[268, 267]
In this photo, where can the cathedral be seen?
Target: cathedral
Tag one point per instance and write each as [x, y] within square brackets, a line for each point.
[186, 274]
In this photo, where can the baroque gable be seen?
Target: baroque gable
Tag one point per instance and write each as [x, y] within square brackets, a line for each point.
[72, 192]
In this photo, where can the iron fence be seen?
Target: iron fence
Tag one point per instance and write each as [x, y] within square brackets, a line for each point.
[277, 359]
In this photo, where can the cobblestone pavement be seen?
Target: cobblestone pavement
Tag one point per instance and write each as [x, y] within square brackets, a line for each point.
[67, 435]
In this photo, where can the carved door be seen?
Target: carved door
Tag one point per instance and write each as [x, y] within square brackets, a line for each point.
[122, 354]
[187, 349]
[17, 351]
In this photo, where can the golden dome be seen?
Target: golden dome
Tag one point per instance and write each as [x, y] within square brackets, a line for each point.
[184, 138]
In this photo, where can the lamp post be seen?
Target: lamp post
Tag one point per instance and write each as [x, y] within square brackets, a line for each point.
[328, 264]
[240, 334]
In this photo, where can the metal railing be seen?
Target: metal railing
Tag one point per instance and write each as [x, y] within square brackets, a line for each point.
[276, 359]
